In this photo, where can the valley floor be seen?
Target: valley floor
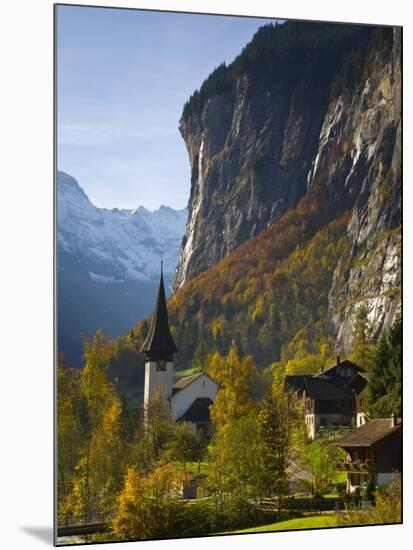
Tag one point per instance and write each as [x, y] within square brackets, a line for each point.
[313, 522]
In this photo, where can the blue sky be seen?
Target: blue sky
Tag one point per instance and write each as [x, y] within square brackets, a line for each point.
[123, 78]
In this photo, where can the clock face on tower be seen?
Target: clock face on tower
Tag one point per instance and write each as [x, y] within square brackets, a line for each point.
[161, 365]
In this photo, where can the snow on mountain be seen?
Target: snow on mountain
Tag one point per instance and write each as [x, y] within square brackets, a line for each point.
[117, 245]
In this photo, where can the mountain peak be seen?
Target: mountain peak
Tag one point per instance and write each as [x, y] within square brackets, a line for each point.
[116, 244]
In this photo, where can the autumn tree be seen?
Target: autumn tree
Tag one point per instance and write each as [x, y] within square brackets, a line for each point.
[95, 386]
[69, 434]
[235, 377]
[362, 342]
[148, 503]
[98, 472]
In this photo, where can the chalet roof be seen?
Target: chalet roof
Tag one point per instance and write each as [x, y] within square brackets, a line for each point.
[319, 388]
[330, 371]
[183, 382]
[357, 382]
[295, 382]
[159, 343]
[370, 433]
[198, 411]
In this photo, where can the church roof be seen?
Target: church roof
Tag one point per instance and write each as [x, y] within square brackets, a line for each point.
[183, 382]
[159, 343]
[198, 411]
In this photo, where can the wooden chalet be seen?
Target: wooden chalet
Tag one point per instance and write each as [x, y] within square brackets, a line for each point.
[373, 449]
[330, 397]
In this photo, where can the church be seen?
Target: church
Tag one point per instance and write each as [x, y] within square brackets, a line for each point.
[188, 399]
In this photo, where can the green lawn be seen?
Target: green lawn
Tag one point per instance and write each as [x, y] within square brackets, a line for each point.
[191, 467]
[184, 373]
[313, 522]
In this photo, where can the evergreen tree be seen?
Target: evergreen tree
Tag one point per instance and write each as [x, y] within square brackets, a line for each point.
[276, 426]
[201, 356]
[384, 390]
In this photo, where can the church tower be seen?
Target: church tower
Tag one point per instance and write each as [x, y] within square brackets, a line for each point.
[159, 348]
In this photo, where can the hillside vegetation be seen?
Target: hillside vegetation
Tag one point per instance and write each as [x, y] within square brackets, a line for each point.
[269, 293]
[268, 56]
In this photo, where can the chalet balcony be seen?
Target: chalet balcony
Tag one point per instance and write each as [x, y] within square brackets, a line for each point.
[356, 466]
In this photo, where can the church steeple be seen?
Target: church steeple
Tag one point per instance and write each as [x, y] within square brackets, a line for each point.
[159, 344]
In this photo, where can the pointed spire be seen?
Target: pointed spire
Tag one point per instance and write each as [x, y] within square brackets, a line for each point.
[159, 343]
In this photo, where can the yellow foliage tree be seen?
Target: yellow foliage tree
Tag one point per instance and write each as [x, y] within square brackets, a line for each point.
[69, 434]
[99, 471]
[235, 377]
[94, 382]
[147, 504]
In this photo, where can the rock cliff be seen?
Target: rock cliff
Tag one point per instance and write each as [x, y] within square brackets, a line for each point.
[370, 272]
[304, 107]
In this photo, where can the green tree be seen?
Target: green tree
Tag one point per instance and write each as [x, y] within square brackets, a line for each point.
[235, 469]
[155, 432]
[185, 445]
[200, 359]
[384, 389]
[387, 508]
[322, 460]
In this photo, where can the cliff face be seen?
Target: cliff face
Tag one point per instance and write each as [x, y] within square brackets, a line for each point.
[257, 145]
[370, 271]
[250, 150]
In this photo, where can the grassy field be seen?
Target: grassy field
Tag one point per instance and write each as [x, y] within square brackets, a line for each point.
[313, 522]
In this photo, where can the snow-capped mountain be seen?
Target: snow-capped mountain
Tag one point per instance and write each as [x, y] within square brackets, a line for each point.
[108, 264]
[117, 245]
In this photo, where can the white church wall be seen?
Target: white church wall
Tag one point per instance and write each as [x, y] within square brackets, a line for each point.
[202, 386]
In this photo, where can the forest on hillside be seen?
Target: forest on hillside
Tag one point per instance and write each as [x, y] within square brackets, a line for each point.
[268, 58]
